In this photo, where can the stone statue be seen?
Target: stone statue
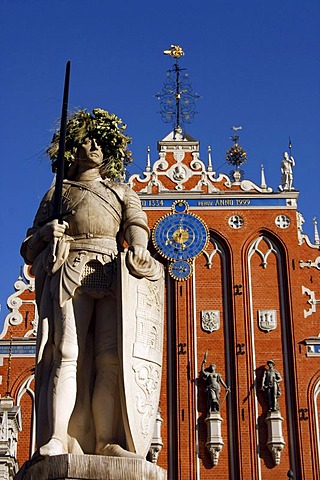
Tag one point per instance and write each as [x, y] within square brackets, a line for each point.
[74, 263]
[214, 380]
[270, 385]
[287, 173]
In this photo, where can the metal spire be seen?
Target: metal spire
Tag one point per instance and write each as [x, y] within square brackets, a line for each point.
[177, 99]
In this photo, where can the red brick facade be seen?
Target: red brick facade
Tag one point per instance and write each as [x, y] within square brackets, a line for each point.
[259, 276]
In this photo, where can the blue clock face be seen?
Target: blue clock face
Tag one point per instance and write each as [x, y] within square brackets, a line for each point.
[180, 236]
[180, 270]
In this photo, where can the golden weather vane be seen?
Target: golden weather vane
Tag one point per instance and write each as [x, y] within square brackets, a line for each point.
[175, 51]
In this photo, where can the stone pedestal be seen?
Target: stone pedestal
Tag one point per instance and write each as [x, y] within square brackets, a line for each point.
[90, 467]
[214, 439]
[275, 438]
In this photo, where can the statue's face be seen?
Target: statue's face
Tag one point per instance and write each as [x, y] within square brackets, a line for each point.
[90, 152]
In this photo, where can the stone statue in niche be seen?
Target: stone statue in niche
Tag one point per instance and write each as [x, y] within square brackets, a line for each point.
[213, 380]
[287, 172]
[75, 266]
[270, 386]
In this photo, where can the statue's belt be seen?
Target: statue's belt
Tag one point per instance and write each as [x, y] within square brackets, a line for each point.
[96, 243]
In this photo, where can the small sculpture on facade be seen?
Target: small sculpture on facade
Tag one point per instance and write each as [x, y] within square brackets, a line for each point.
[156, 442]
[270, 385]
[287, 173]
[214, 380]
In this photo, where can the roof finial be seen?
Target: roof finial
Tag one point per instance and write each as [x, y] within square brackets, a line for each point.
[209, 159]
[177, 99]
[148, 166]
[316, 233]
[263, 178]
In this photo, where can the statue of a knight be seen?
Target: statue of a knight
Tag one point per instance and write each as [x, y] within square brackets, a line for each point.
[74, 263]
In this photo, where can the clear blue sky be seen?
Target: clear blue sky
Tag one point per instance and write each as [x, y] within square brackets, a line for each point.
[254, 63]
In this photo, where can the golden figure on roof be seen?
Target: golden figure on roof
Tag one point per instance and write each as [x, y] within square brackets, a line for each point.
[175, 51]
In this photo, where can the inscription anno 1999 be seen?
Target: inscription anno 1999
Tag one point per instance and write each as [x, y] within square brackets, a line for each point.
[215, 202]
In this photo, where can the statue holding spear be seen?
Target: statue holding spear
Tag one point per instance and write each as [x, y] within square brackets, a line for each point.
[214, 380]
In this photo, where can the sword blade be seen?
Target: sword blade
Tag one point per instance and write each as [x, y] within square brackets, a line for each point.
[57, 205]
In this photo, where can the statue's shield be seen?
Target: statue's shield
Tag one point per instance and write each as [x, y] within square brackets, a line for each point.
[140, 352]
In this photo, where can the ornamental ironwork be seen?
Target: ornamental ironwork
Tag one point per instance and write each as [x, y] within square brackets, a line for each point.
[177, 98]
[236, 155]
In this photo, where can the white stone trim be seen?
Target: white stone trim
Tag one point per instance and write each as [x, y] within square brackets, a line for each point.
[317, 416]
[26, 389]
[311, 343]
[14, 303]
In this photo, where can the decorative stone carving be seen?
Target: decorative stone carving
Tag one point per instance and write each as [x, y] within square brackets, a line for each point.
[181, 171]
[282, 221]
[247, 185]
[148, 378]
[313, 302]
[10, 424]
[235, 221]
[15, 302]
[275, 441]
[263, 254]
[267, 320]
[209, 256]
[210, 320]
[300, 222]
[310, 263]
[141, 355]
[214, 441]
